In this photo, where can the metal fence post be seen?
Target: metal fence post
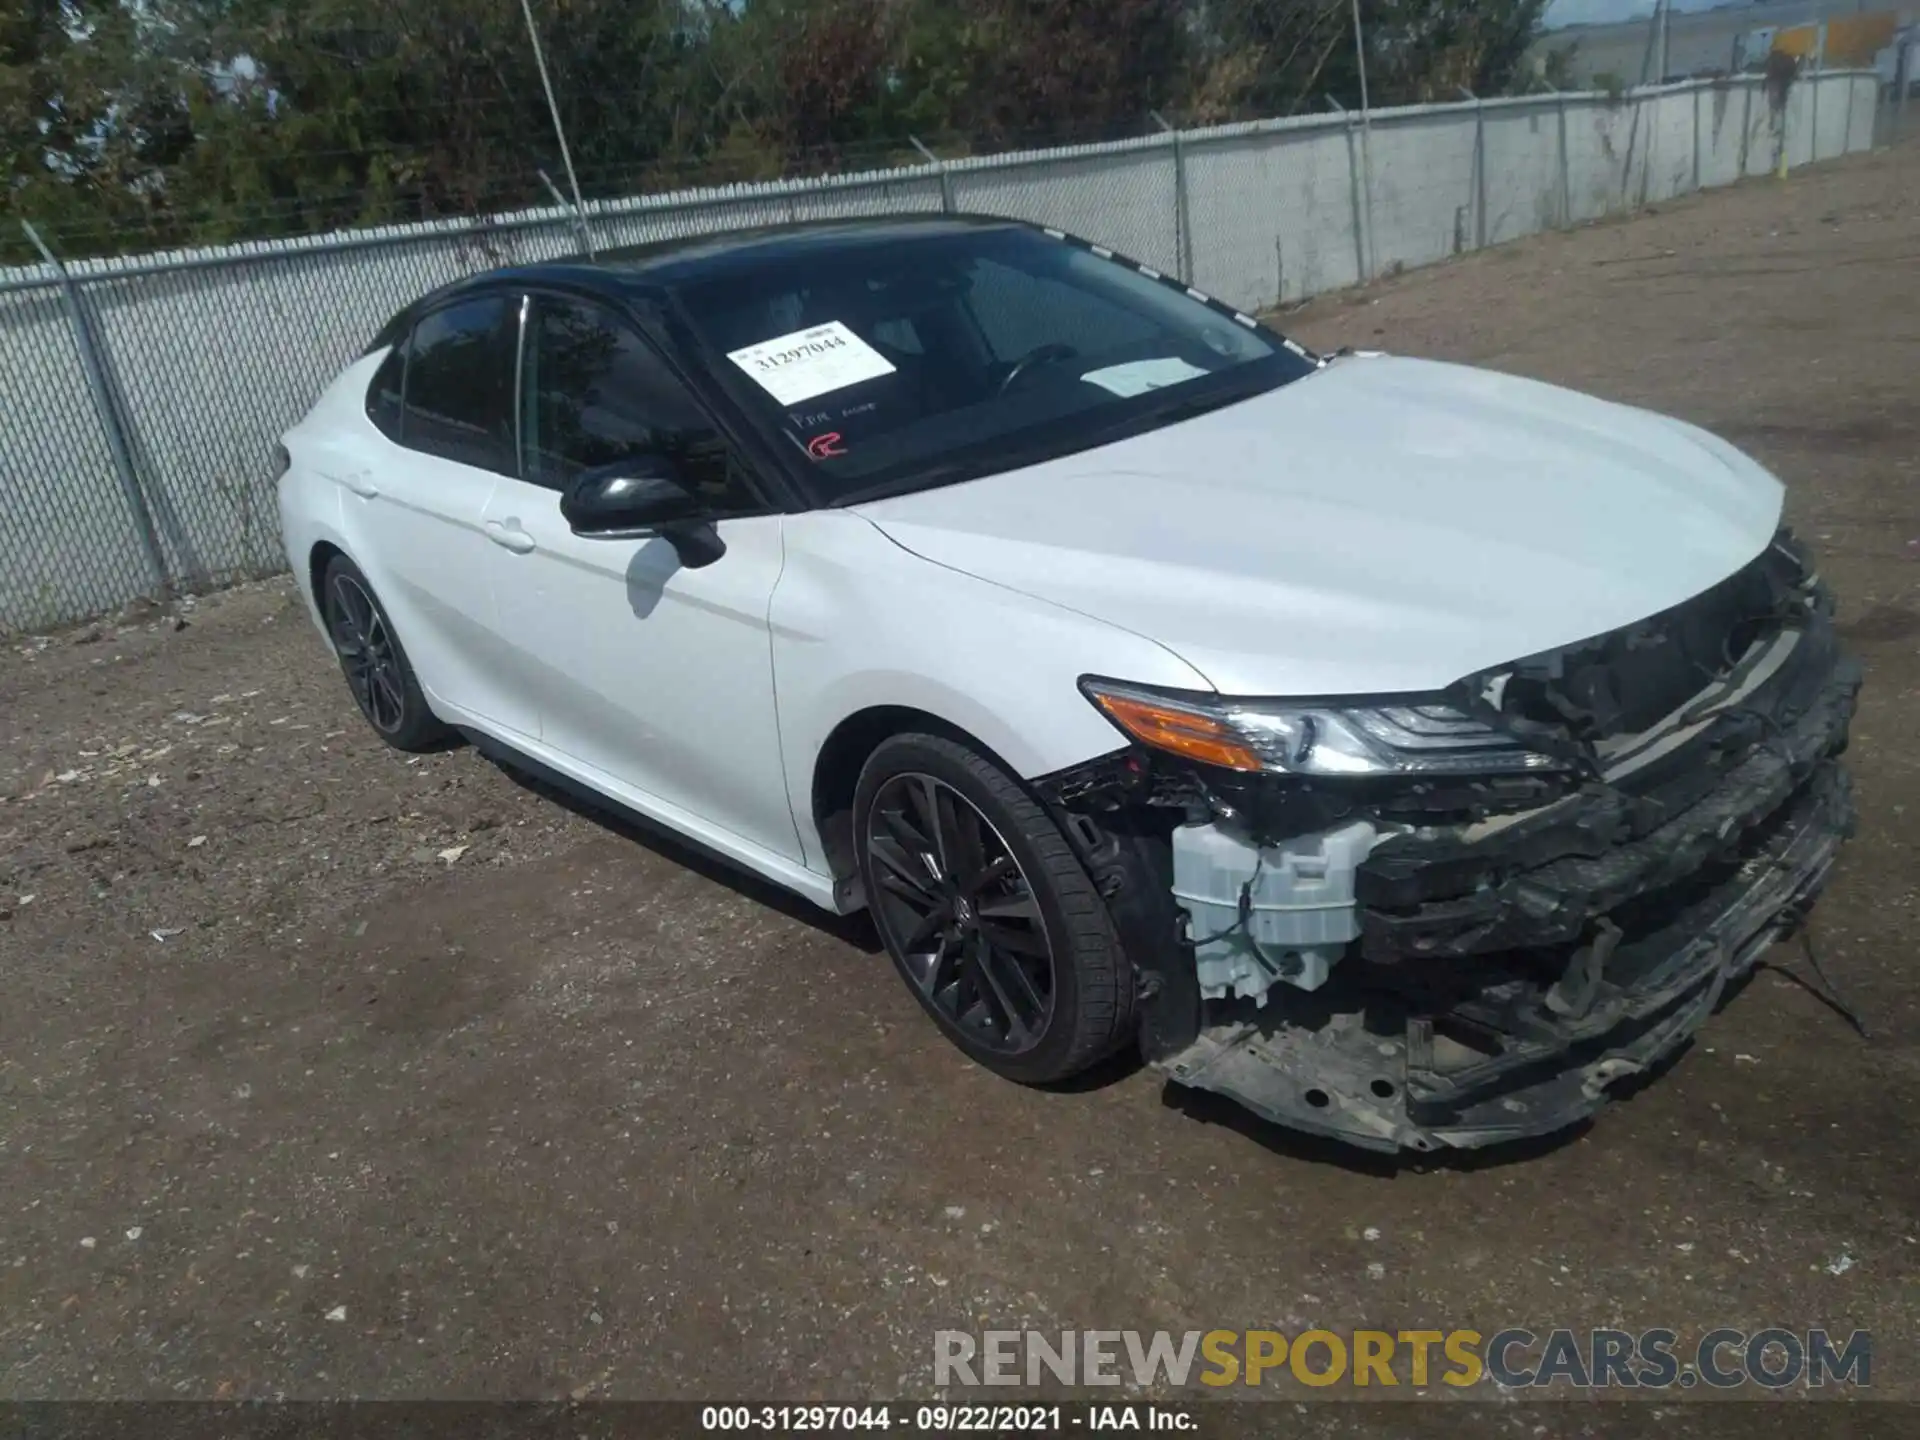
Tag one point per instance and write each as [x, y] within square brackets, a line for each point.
[940, 168]
[579, 215]
[1182, 223]
[1649, 137]
[1904, 73]
[1897, 99]
[1366, 141]
[1360, 237]
[110, 420]
[559, 130]
[1746, 127]
[1786, 131]
[1819, 68]
[1479, 168]
[1566, 179]
[1696, 140]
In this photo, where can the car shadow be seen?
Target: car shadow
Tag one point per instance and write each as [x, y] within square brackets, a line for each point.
[652, 566]
[855, 930]
[1203, 1106]
[1123, 1064]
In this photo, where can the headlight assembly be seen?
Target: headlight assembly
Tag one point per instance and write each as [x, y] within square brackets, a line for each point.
[1413, 736]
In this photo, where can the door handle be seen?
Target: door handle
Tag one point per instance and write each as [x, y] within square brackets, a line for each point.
[509, 536]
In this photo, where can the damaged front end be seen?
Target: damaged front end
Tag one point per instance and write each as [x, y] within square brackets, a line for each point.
[1464, 917]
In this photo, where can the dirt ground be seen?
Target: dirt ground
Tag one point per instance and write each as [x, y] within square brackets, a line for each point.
[325, 1071]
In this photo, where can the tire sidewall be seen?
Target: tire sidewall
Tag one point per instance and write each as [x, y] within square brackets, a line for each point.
[935, 756]
[418, 728]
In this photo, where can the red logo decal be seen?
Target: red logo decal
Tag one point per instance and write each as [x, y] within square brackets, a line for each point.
[822, 447]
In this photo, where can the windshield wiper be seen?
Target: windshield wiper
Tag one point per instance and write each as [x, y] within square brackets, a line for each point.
[1128, 423]
[1172, 411]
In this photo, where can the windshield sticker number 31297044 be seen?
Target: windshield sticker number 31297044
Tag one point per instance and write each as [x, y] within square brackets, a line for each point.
[796, 367]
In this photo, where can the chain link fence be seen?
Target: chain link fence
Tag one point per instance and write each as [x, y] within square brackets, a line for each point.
[144, 394]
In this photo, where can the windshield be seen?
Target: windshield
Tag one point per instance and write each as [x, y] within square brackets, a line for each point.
[929, 358]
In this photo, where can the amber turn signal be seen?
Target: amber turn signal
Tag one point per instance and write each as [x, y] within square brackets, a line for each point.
[1197, 737]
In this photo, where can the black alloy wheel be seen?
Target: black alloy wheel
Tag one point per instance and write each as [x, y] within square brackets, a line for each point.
[987, 912]
[956, 908]
[365, 647]
[378, 673]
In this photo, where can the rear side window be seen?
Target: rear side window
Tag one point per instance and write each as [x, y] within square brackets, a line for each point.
[385, 393]
[459, 385]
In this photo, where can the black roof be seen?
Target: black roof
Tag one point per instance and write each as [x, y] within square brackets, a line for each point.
[664, 264]
[670, 261]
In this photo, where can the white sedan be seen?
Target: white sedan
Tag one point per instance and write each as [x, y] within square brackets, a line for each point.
[1408, 751]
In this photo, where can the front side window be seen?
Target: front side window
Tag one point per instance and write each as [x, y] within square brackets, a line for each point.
[922, 356]
[594, 393]
[459, 384]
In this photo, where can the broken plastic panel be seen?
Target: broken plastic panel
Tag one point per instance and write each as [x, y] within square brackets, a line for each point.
[1258, 916]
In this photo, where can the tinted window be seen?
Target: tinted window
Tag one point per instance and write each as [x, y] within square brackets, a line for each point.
[595, 392]
[383, 395]
[460, 385]
[929, 354]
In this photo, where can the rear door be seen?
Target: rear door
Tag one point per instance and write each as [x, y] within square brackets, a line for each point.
[648, 674]
[415, 501]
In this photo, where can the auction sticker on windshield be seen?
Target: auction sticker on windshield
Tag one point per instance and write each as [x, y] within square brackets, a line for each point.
[1136, 377]
[811, 362]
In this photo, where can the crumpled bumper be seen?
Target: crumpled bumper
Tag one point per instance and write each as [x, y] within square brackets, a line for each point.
[1674, 976]
[1507, 976]
[1425, 1087]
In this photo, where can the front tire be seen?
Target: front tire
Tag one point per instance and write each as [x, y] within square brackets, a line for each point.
[987, 913]
[377, 669]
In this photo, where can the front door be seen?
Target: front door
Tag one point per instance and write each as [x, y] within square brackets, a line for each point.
[649, 674]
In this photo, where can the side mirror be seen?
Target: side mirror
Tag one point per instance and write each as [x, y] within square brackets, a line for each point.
[636, 499]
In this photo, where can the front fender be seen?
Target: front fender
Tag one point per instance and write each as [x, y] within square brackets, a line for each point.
[858, 622]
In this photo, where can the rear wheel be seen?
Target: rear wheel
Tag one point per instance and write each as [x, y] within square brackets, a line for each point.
[987, 913]
[376, 667]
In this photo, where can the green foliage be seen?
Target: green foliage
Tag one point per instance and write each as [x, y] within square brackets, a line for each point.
[134, 124]
[1557, 66]
[1280, 58]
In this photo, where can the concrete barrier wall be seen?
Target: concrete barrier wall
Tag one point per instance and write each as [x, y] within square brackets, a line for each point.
[209, 355]
[1723, 118]
[1524, 175]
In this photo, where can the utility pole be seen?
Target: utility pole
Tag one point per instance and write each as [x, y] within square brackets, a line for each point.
[1666, 14]
[1366, 138]
[559, 132]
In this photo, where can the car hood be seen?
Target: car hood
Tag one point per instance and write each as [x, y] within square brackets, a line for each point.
[1381, 525]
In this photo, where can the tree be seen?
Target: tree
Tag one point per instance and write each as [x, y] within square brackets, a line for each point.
[1283, 56]
[133, 124]
[88, 122]
[1005, 71]
[1430, 50]
[352, 111]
